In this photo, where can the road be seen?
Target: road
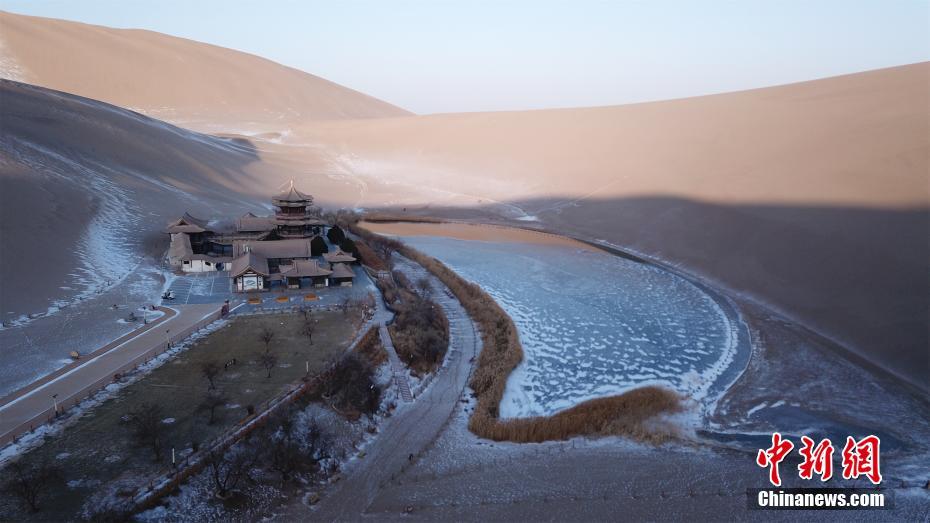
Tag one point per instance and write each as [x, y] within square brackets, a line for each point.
[35, 404]
[412, 428]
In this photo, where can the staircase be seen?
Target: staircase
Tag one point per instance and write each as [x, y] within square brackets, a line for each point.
[397, 367]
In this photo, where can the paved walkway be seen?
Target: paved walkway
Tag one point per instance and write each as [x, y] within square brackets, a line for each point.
[35, 404]
[410, 431]
[167, 315]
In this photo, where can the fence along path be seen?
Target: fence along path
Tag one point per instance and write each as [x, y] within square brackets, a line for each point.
[36, 405]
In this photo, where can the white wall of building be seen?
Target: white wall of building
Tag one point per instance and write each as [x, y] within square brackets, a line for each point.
[198, 266]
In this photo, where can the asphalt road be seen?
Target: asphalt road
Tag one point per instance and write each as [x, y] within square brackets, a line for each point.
[36, 404]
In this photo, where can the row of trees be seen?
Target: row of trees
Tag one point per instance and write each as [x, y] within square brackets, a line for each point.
[282, 447]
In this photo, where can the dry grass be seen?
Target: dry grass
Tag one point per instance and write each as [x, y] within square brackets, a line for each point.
[370, 349]
[625, 414]
[369, 258]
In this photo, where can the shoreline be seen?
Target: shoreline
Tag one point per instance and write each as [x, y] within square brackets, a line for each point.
[734, 299]
[624, 414]
[735, 316]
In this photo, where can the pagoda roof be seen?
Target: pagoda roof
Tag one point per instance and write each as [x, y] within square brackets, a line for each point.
[292, 195]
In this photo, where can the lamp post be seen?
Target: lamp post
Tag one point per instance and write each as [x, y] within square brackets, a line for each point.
[167, 339]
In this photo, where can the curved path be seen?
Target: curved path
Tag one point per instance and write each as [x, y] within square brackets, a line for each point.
[35, 404]
[412, 428]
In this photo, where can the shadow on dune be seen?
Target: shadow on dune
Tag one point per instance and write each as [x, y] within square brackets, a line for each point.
[860, 276]
[83, 184]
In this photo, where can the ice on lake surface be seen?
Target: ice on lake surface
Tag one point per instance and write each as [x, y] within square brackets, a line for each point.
[593, 324]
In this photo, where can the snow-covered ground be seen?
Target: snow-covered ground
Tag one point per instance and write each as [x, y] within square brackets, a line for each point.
[40, 346]
[593, 324]
[72, 415]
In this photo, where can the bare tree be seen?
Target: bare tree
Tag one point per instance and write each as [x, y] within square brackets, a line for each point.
[346, 305]
[383, 250]
[309, 326]
[284, 452]
[214, 400]
[268, 360]
[29, 482]
[266, 335]
[320, 443]
[210, 370]
[147, 428]
[228, 468]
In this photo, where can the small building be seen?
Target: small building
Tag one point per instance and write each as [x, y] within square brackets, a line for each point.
[276, 252]
[249, 272]
[304, 272]
[342, 275]
[338, 257]
[194, 231]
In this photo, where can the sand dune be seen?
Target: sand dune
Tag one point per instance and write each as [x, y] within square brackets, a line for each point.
[811, 197]
[173, 79]
[859, 139]
[82, 183]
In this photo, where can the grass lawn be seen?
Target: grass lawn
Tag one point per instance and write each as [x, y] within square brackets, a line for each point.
[98, 453]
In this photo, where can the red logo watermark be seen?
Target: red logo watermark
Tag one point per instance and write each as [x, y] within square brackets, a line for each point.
[859, 458]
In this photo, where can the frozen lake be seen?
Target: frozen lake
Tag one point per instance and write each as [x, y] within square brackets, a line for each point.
[593, 324]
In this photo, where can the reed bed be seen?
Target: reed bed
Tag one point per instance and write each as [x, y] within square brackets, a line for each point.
[630, 414]
[370, 349]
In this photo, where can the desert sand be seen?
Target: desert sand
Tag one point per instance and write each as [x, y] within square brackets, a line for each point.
[173, 79]
[468, 231]
[811, 198]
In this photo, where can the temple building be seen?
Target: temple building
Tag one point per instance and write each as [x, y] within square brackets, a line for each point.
[293, 217]
[286, 250]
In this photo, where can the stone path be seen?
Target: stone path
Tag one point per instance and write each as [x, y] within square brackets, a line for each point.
[409, 432]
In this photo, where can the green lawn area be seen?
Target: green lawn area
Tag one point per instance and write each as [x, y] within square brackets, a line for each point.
[98, 453]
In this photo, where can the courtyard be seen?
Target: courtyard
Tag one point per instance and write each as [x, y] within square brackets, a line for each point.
[216, 287]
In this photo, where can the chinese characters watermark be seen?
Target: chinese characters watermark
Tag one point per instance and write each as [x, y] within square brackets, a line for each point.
[859, 458]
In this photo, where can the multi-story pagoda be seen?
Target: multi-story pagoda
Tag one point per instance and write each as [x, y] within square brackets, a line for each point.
[293, 217]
